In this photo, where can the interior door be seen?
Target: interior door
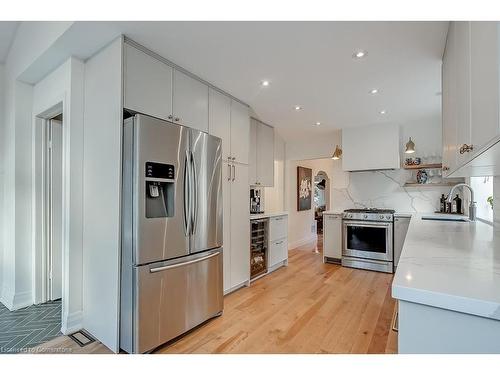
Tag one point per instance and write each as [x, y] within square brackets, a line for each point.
[207, 205]
[164, 147]
[55, 209]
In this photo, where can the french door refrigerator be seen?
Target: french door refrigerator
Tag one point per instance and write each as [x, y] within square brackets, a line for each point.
[171, 271]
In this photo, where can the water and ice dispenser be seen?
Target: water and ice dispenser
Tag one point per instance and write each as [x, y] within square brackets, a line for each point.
[160, 190]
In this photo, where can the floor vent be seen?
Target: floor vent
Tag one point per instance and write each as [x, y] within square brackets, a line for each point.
[82, 338]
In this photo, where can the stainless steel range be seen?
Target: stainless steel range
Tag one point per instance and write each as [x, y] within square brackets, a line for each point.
[367, 236]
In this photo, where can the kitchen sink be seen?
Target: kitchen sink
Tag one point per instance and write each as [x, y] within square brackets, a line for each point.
[446, 218]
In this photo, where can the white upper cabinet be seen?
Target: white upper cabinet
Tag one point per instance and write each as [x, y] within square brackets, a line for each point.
[265, 155]
[261, 154]
[252, 160]
[484, 74]
[471, 99]
[147, 84]
[240, 132]
[190, 102]
[219, 119]
[370, 147]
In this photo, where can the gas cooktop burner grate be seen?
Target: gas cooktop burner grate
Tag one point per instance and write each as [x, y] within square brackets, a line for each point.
[371, 210]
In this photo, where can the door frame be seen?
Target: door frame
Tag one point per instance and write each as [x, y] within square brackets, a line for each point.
[40, 271]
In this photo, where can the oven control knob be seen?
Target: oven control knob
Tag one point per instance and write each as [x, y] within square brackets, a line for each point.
[365, 216]
[381, 216]
[388, 217]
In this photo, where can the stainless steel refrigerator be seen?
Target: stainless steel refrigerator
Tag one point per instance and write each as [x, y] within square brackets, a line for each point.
[171, 271]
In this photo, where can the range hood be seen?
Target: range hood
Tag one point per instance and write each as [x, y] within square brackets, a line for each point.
[370, 148]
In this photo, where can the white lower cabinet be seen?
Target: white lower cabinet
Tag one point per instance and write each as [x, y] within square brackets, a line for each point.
[236, 226]
[332, 237]
[278, 242]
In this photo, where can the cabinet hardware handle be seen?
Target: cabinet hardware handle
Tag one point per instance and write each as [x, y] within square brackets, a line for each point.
[233, 158]
[279, 243]
[170, 117]
[446, 168]
[229, 173]
[234, 172]
[466, 148]
[177, 119]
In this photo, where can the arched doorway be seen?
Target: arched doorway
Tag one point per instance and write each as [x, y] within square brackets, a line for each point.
[321, 199]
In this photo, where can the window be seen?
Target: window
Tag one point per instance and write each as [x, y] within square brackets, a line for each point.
[483, 195]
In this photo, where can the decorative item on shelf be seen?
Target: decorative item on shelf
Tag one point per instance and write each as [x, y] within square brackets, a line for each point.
[413, 161]
[337, 153]
[422, 176]
[410, 147]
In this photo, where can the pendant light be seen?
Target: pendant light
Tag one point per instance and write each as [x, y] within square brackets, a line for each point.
[410, 147]
[337, 153]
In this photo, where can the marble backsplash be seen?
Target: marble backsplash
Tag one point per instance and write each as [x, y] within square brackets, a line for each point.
[384, 189]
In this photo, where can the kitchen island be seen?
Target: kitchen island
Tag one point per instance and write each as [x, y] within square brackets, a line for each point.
[448, 286]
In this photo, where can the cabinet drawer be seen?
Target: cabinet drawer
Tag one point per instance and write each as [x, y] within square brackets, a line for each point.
[278, 228]
[278, 251]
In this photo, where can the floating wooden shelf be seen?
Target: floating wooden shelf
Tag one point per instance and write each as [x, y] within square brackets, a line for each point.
[424, 166]
[430, 184]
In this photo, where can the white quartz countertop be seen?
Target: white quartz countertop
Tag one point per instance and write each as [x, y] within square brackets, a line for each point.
[267, 215]
[450, 265]
[332, 212]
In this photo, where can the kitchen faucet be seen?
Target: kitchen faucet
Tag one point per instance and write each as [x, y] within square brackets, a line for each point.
[472, 205]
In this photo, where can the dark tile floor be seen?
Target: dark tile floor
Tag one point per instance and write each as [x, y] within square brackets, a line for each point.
[29, 327]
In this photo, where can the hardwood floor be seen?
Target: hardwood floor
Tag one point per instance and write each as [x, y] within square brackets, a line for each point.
[307, 307]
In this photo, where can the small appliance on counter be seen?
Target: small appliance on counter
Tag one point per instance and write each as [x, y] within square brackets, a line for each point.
[256, 201]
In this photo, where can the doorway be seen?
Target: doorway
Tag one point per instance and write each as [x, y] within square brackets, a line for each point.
[321, 199]
[53, 208]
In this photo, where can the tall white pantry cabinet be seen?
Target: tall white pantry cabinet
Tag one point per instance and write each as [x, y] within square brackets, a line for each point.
[155, 87]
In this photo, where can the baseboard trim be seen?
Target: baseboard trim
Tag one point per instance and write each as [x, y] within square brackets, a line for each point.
[72, 323]
[16, 301]
[302, 241]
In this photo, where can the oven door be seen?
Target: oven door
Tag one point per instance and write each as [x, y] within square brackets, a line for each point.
[369, 240]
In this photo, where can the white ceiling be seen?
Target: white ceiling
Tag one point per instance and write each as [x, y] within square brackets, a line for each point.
[311, 64]
[308, 63]
[7, 31]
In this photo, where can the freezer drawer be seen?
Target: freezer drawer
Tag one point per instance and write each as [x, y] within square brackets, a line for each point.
[174, 297]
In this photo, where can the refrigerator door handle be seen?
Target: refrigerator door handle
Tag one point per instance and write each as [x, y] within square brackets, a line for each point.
[177, 265]
[194, 208]
[187, 195]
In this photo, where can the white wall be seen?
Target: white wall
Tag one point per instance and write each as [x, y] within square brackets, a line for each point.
[2, 98]
[102, 194]
[31, 40]
[65, 86]
[300, 223]
[274, 197]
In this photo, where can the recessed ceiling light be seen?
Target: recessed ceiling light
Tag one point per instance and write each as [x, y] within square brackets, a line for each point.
[373, 91]
[317, 124]
[265, 83]
[359, 54]
[383, 112]
[298, 107]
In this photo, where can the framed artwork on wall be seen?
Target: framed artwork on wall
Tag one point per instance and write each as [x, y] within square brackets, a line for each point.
[304, 188]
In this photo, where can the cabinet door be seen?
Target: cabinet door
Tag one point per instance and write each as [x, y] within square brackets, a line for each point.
[226, 247]
[278, 252]
[278, 227]
[240, 131]
[252, 159]
[485, 101]
[219, 119]
[463, 89]
[190, 102]
[147, 84]
[450, 150]
[240, 226]
[332, 236]
[265, 155]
